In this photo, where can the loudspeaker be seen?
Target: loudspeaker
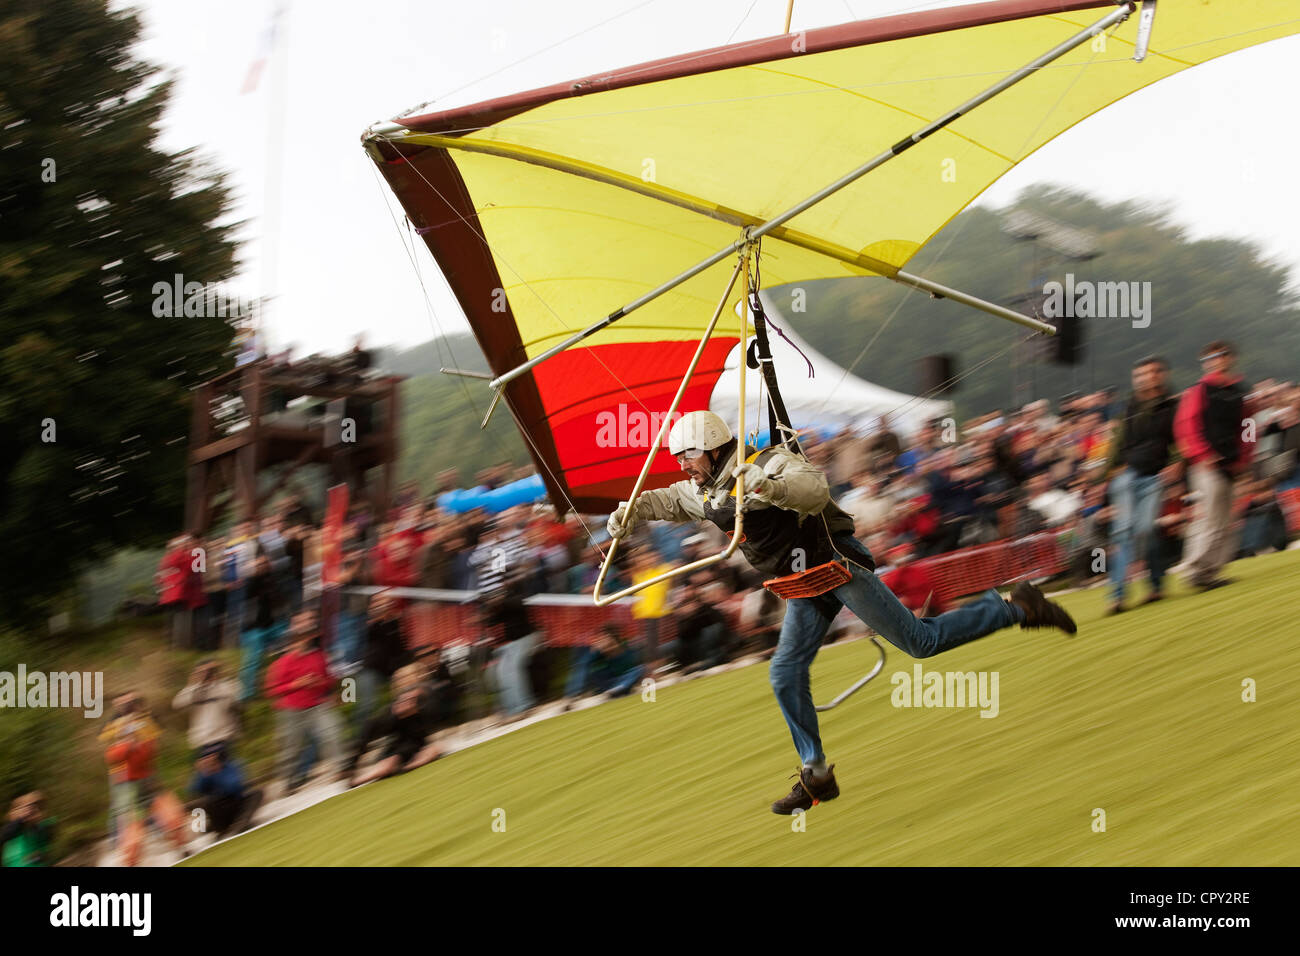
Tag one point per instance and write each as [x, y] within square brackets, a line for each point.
[937, 374]
[1066, 347]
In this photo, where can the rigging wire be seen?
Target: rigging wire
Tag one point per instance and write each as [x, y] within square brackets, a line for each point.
[495, 254]
[1082, 68]
[464, 386]
[403, 237]
[732, 34]
[525, 59]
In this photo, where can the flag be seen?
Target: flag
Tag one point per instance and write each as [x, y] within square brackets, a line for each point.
[265, 50]
[332, 536]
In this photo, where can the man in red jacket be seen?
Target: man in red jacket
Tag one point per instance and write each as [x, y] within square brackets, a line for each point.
[301, 691]
[180, 588]
[1210, 429]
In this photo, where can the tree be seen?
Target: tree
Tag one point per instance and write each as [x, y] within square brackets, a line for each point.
[95, 220]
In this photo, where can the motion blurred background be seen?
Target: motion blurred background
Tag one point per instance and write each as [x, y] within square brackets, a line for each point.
[218, 142]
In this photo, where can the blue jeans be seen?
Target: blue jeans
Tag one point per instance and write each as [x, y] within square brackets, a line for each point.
[579, 676]
[349, 638]
[581, 658]
[512, 674]
[1135, 500]
[254, 643]
[808, 619]
[369, 684]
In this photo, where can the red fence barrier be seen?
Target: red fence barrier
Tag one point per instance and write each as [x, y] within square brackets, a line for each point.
[451, 617]
[1290, 502]
[971, 570]
[565, 620]
[445, 618]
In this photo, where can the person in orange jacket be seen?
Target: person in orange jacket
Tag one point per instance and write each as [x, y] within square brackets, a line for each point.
[132, 745]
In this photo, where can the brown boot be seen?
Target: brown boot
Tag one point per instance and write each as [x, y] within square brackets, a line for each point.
[808, 792]
[1039, 611]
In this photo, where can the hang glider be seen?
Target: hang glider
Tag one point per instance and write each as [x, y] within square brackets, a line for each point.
[587, 228]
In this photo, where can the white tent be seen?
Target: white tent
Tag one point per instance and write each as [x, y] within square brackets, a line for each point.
[831, 397]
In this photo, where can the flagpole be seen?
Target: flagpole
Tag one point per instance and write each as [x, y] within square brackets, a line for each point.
[273, 183]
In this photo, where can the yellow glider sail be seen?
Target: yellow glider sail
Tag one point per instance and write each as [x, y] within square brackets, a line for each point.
[550, 209]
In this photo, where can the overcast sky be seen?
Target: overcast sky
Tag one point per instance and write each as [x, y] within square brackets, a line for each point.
[1217, 141]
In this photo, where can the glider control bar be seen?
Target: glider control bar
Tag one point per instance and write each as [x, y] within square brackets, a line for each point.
[1119, 15]
[741, 271]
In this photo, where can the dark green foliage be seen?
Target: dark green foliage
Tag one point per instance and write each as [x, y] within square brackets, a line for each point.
[92, 215]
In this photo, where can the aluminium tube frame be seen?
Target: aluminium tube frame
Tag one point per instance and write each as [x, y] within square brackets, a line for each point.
[601, 600]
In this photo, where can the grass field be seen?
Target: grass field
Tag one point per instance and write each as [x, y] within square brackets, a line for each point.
[1140, 715]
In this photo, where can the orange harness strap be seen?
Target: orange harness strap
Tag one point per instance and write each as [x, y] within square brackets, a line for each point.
[810, 583]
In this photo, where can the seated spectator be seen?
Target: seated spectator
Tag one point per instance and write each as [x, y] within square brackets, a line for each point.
[918, 522]
[1055, 506]
[440, 685]
[27, 833]
[761, 616]
[1280, 442]
[701, 627]
[926, 443]
[504, 608]
[406, 723]
[385, 651]
[911, 582]
[608, 666]
[222, 792]
[884, 446]
[213, 701]
[870, 504]
[1264, 524]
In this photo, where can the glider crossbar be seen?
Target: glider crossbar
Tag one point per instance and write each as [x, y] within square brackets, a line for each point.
[742, 269]
[751, 233]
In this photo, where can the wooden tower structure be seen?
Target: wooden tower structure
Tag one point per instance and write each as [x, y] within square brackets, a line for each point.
[326, 411]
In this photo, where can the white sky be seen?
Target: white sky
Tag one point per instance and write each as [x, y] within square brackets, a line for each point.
[1215, 140]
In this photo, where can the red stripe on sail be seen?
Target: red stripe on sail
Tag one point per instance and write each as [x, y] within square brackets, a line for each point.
[604, 405]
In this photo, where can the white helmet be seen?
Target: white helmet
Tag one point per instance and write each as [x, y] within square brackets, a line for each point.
[698, 431]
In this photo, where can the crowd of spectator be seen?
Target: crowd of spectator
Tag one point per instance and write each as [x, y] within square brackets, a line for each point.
[1096, 469]
[1194, 478]
[1003, 474]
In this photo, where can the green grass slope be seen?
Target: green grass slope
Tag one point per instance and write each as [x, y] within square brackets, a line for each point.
[1140, 715]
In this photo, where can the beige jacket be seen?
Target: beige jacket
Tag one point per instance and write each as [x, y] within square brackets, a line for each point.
[213, 718]
[800, 486]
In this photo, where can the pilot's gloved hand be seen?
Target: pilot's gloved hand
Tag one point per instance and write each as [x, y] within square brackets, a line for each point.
[615, 525]
[757, 484]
